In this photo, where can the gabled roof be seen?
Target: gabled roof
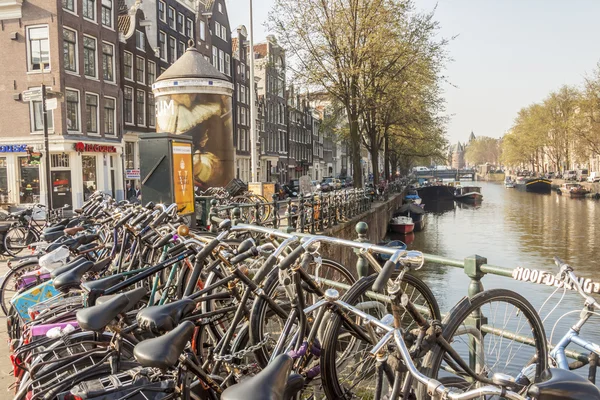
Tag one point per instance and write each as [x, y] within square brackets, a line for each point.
[192, 64]
[262, 49]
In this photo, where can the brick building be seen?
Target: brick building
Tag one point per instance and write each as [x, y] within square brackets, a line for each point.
[241, 103]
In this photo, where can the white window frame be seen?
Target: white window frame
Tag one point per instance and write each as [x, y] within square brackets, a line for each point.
[78, 130]
[148, 72]
[220, 7]
[182, 31]
[95, 57]
[112, 13]
[114, 79]
[95, 12]
[143, 36]
[114, 117]
[215, 57]
[32, 117]
[132, 106]
[174, 49]
[137, 59]
[97, 133]
[174, 27]
[164, 11]
[74, 12]
[217, 29]
[190, 23]
[132, 79]
[76, 72]
[223, 32]
[163, 55]
[148, 95]
[182, 45]
[227, 64]
[28, 40]
[135, 107]
[202, 31]
[221, 61]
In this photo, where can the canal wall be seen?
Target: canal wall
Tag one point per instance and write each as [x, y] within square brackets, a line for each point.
[377, 219]
[491, 177]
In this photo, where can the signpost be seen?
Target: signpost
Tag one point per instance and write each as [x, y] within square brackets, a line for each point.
[32, 95]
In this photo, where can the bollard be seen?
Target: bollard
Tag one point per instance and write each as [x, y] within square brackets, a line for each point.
[362, 265]
[335, 208]
[275, 211]
[473, 270]
[301, 212]
[236, 216]
[214, 212]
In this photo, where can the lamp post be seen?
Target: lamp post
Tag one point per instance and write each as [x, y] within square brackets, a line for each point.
[253, 161]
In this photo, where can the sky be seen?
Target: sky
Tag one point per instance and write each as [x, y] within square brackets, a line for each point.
[507, 54]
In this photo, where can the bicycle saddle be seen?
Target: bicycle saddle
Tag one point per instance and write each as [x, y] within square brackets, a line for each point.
[5, 227]
[268, 384]
[96, 318]
[72, 279]
[159, 319]
[52, 236]
[84, 248]
[560, 384]
[164, 351]
[53, 229]
[67, 267]
[134, 296]
[73, 230]
[102, 284]
[101, 265]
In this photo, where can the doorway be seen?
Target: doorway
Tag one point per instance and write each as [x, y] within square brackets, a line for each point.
[61, 188]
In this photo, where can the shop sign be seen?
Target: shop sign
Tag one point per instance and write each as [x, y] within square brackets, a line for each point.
[96, 148]
[13, 148]
[132, 174]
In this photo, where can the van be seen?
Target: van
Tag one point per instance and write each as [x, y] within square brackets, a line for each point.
[582, 175]
[594, 177]
[570, 175]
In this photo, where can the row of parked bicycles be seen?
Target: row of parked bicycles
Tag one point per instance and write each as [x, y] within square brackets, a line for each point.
[124, 301]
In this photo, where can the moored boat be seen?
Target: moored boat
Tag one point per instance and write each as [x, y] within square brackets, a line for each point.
[412, 197]
[470, 194]
[573, 190]
[534, 185]
[415, 212]
[402, 224]
[509, 183]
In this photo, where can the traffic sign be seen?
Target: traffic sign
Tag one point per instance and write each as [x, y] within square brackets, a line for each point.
[32, 95]
[51, 104]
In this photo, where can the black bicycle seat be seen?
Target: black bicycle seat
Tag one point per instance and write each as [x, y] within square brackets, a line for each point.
[86, 248]
[72, 279]
[159, 319]
[5, 227]
[67, 267]
[164, 351]
[268, 384]
[52, 236]
[560, 384]
[134, 296]
[102, 264]
[96, 318]
[102, 284]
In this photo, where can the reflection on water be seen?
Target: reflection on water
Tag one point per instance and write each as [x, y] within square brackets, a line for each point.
[513, 229]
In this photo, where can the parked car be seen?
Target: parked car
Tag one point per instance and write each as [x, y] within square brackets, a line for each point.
[594, 177]
[349, 182]
[570, 175]
[582, 175]
[550, 175]
[337, 183]
[327, 185]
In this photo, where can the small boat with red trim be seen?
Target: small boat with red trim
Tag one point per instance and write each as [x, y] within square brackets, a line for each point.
[402, 224]
[471, 194]
[573, 190]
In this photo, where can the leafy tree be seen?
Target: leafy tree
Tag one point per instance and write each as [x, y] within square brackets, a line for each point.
[483, 150]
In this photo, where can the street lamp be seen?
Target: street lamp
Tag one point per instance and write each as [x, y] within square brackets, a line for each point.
[253, 155]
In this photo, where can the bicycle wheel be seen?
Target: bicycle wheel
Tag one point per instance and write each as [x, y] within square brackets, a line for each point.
[15, 240]
[496, 331]
[264, 320]
[347, 368]
[12, 282]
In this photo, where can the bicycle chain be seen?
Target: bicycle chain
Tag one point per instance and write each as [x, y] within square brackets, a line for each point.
[241, 353]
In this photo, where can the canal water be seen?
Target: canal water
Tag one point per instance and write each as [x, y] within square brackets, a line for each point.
[514, 229]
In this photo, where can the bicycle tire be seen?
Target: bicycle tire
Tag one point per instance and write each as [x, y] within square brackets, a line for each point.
[261, 307]
[332, 386]
[9, 246]
[463, 311]
[10, 278]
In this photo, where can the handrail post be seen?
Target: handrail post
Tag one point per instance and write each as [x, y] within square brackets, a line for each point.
[290, 219]
[301, 212]
[473, 270]
[275, 210]
[237, 216]
[214, 212]
[313, 213]
[362, 265]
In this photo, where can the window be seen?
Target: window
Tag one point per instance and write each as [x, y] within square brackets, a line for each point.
[180, 24]
[30, 181]
[89, 56]
[217, 29]
[139, 40]
[129, 155]
[151, 72]
[128, 105]
[37, 117]
[180, 49]
[110, 116]
[91, 112]
[237, 92]
[220, 8]
[221, 60]
[215, 54]
[227, 65]
[172, 44]
[38, 48]
[171, 17]
[89, 176]
[202, 30]
[89, 9]
[243, 94]
[108, 62]
[69, 5]
[243, 71]
[140, 107]
[188, 28]
[128, 65]
[70, 50]
[72, 98]
[140, 69]
[151, 110]
[223, 33]
[107, 13]
[162, 42]
[161, 11]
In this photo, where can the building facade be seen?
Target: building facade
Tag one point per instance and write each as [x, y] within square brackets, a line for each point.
[299, 133]
[70, 46]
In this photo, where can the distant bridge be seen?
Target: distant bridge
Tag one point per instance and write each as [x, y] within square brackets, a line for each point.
[455, 174]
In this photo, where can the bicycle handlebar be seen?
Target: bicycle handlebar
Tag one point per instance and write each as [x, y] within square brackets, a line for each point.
[566, 269]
